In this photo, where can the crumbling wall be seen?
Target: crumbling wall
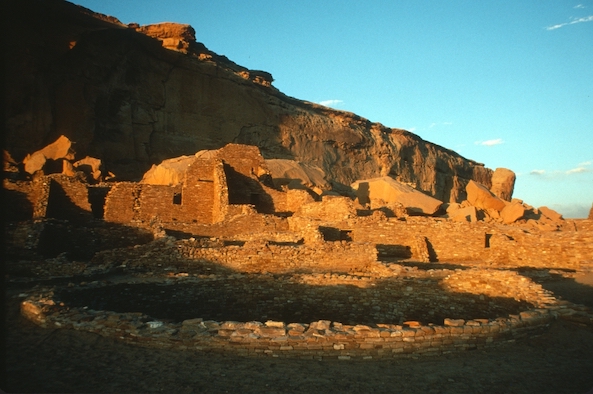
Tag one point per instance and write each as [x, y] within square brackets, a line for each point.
[262, 256]
[322, 339]
[503, 246]
[330, 208]
[162, 202]
[27, 200]
[449, 241]
[68, 198]
[121, 202]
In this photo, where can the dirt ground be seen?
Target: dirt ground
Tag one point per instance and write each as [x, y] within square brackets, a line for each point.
[41, 360]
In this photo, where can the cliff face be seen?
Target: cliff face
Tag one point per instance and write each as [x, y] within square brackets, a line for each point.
[134, 96]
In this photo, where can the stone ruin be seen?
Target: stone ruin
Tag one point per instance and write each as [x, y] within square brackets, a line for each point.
[289, 269]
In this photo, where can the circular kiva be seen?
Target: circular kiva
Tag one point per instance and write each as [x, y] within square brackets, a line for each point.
[347, 316]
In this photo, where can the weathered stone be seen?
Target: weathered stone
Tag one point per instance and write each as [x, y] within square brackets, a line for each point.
[466, 214]
[385, 190]
[512, 212]
[59, 149]
[479, 196]
[551, 214]
[320, 325]
[297, 175]
[169, 172]
[503, 183]
[90, 166]
[454, 322]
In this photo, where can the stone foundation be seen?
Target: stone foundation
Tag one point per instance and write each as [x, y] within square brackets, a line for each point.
[323, 339]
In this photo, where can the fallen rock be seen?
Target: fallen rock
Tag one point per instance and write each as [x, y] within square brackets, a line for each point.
[512, 212]
[169, 172]
[297, 175]
[551, 214]
[386, 191]
[34, 162]
[479, 196]
[90, 166]
[503, 183]
[59, 149]
[466, 214]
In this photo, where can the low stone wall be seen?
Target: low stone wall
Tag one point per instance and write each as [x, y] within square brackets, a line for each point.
[263, 256]
[319, 339]
[502, 246]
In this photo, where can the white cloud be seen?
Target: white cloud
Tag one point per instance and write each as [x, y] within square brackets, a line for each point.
[578, 170]
[412, 129]
[585, 163]
[579, 6]
[574, 21]
[330, 103]
[537, 172]
[493, 142]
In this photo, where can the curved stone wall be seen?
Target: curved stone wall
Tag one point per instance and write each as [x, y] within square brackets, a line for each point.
[320, 339]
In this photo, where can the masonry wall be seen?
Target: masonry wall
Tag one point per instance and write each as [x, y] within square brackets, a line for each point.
[158, 201]
[197, 195]
[323, 339]
[261, 256]
[121, 202]
[503, 246]
[448, 241]
[27, 200]
[68, 198]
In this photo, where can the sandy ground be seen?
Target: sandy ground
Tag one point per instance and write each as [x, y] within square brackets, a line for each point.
[41, 360]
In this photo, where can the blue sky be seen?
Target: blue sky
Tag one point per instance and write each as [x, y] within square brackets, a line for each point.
[505, 83]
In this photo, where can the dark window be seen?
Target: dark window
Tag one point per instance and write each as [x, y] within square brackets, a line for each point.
[177, 198]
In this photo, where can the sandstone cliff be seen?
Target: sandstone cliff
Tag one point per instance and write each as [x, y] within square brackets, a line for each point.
[133, 96]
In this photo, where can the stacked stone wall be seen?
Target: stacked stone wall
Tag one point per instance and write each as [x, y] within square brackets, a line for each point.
[261, 256]
[68, 198]
[329, 209]
[502, 246]
[243, 224]
[449, 241]
[27, 200]
[158, 201]
[198, 194]
[121, 202]
[323, 339]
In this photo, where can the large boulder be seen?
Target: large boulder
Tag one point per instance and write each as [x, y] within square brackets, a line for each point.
[169, 172]
[513, 212]
[479, 196]
[551, 214]
[57, 150]
[297, 175]
[91, 166]
[385, 191]
[465, 214]
[503, 183]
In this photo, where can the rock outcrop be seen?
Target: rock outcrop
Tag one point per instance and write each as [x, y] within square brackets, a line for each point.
[503, 183]
[125, 97]
[386, 191]
[591, 213]
[479, 196]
